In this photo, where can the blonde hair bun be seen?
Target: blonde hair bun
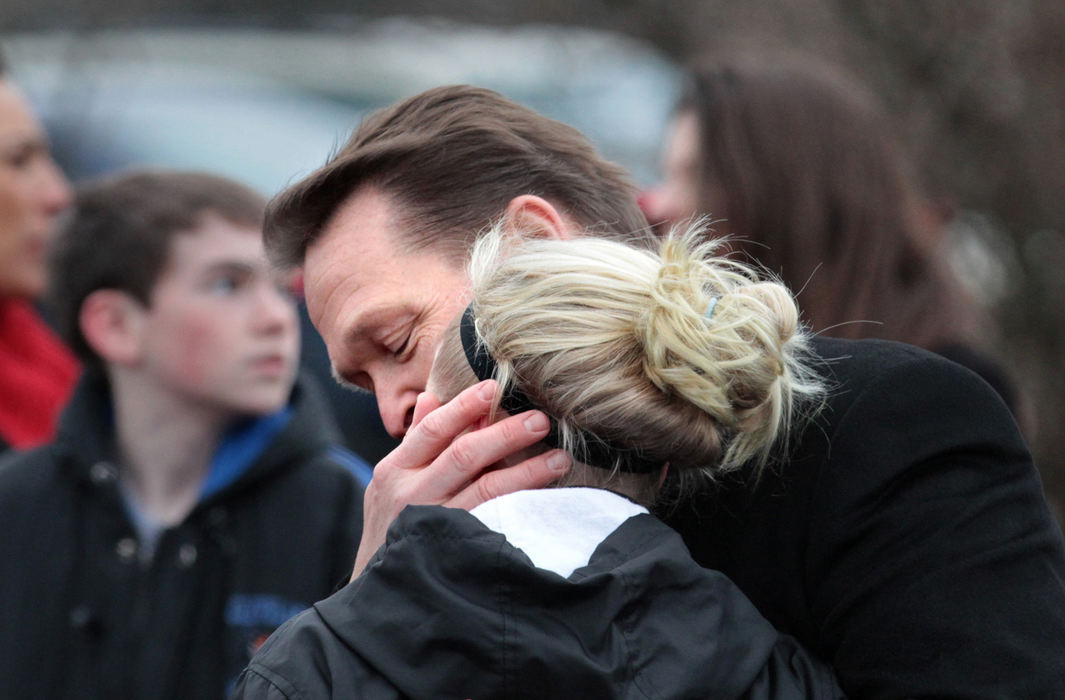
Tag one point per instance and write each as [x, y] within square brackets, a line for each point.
[677, 354]
[723, 338]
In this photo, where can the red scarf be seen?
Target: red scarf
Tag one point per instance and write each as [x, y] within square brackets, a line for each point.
[37, 375]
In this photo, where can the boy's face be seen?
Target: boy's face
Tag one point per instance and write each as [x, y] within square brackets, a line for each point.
[221, 329]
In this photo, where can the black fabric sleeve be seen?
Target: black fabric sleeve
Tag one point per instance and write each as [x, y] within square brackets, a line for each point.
[934, 566]
[792, 673]
[256, 684]
[346, 533]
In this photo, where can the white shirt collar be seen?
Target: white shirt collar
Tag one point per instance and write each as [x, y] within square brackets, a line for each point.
[558, 529]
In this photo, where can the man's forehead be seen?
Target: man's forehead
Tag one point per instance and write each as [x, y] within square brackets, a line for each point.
[361, 250]
[361, 230]
[368, 211]
[374, 224]
[351, 289]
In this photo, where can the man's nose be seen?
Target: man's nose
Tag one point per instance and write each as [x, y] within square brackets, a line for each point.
[396, 405]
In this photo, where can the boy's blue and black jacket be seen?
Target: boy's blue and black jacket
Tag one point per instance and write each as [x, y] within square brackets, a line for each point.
[82, 615]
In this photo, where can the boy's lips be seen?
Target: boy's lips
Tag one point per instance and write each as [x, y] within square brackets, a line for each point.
[270, 364]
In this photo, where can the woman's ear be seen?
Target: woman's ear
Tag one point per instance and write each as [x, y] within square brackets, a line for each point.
[662, 475]
[111, 323]
[529, 215]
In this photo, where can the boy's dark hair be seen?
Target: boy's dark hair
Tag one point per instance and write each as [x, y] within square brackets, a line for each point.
[451, 158]
[117, 236]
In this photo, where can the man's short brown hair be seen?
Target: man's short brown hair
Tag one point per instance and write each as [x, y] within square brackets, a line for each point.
[452, 158]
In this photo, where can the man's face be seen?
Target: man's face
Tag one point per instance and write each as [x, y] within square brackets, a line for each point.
[380, 310]
[221, 330]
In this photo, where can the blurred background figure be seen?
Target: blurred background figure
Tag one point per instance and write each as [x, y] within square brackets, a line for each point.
[195, 496]
[37, 371]
[798, 163]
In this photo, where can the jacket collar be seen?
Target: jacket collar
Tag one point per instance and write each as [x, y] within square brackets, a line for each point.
[85, 443]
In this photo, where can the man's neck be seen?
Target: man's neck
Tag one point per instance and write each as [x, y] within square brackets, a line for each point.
[165, 447]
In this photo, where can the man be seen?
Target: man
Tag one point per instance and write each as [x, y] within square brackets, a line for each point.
[905, 539]
[193, 499]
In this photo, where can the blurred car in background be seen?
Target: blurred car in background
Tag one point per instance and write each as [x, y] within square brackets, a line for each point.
[267, 107]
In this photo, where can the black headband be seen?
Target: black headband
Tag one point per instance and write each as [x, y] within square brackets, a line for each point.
[597, 452]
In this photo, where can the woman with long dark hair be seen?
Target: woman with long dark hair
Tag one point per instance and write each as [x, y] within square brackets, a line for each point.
[798, 163]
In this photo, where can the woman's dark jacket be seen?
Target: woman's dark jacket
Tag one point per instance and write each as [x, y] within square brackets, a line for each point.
[81, 617]
[450, 609]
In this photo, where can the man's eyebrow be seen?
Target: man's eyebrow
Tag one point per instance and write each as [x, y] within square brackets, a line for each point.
[373, 321]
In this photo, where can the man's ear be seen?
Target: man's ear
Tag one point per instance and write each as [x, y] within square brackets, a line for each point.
[111, 323]
[529, 215]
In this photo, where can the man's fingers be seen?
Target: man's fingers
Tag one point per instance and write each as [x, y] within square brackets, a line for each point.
[535, 472]
[480, 449]
[426, 404]
[477, 451]
[436, 430]
[440, 459]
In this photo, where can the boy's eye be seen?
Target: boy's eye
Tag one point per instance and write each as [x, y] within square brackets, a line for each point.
[286, 291]
[223, 285]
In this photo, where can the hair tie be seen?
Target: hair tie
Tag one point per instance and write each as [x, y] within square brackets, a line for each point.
[484, 366]
[480, 361]
[711, 307]
[597, 453]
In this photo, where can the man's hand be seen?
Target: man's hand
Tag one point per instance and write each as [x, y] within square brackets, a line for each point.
[445, 460]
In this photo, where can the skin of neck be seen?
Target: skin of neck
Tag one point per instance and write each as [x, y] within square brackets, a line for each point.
[165, 445]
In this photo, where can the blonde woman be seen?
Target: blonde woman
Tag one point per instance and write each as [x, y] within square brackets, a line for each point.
[648, 362]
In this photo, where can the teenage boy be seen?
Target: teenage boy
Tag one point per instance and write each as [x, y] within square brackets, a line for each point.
[194, 498]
